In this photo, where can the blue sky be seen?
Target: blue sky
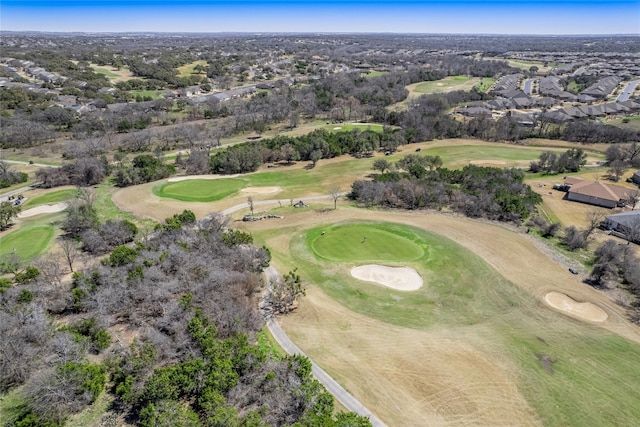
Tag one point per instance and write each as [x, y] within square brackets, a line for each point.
[403, 16]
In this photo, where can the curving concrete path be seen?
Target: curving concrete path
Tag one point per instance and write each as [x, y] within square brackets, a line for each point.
[342, 395]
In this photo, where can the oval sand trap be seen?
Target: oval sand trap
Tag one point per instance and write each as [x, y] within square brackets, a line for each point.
[43, 209]
[583, 310]
[261, 190]
[399, 278]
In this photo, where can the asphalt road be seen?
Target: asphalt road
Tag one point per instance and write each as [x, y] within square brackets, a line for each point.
[527, 86]
[628, 89]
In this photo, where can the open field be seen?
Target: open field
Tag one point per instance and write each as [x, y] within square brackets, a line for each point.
[153, 94]
[188, 69]
[351, 126]
[121, 75]
[375, 73]
[485, 84]
[630, 123]
[526, 65]
[448, 84]
[476, 344]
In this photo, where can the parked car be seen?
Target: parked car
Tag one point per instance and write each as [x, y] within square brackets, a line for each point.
[573, 270]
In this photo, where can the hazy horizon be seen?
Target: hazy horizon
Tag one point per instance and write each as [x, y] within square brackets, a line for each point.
[466, 17]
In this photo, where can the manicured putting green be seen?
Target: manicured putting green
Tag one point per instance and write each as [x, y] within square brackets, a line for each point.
[199, 190]
[363, 243]
[28, 242]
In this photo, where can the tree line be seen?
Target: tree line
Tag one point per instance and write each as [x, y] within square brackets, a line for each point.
[492, 193]
[189, 355]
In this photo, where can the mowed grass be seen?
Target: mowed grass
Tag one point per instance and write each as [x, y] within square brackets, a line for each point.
[52, 197]
[363, 243]
[456, 155]
[592, 375]
[29, 241]
[199, 190]
[188, 69]
[445, 85]
[105, 72]
[446, 268]
[153, 94]
[485, 84]
[375, 73]
[352, 126]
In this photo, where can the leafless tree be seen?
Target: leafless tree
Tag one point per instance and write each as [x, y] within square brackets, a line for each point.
[137, 141]
[198, 162]
[50, 271]
[632, 231]
[70, 251]
[335, 195]
[594, 217]
[616, 169]
[250, 203]
[632, 198]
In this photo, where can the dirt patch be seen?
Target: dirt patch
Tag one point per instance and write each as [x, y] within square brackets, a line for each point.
[399, 278]
[261, 190]
[43, 209]
[583, 310]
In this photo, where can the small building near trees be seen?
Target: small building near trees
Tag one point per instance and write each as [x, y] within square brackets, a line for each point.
[597, 193]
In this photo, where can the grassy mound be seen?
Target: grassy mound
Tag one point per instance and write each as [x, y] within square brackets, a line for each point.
[199, 190]
[364, 243]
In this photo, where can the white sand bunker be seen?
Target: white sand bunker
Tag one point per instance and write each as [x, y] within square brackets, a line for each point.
[261, 190]
[399, 278]
[488, 162]
[43, 209]
[583, 310]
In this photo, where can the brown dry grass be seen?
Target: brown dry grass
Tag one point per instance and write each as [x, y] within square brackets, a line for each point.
[435, 376]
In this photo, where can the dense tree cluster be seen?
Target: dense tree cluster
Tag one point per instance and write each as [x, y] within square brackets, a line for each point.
[191, 359]
[9, 177]
[493, 193]
[143, 168]
[617, 263]
[569, 161]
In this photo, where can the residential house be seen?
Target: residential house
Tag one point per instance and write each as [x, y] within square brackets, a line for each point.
[597, 193]
[623, 223]
[190, 91]
[602, 88]
[636, 178]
